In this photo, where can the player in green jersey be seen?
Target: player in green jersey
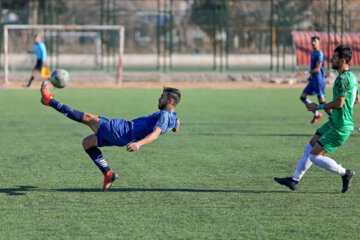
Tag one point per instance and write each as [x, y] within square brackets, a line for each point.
[336, 131]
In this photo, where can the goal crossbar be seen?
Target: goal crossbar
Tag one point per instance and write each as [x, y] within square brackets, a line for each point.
[119, 28]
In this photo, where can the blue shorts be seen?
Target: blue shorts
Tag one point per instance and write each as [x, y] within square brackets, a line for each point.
[113, 132]
[38, 65]
[316, 87]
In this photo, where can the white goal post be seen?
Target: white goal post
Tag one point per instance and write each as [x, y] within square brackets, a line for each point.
[119, 28]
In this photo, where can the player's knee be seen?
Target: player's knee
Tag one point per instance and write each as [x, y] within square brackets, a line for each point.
[313, 158]
[89, 141]
[88, 117]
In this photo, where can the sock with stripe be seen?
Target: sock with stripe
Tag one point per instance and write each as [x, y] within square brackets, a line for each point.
[96, 155]
[66, 110]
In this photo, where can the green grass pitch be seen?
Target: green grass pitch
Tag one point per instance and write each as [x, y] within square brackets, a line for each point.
[211, 180]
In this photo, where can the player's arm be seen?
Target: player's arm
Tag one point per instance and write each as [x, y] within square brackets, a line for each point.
[32, 51]
[178, 125]
[317, 68]
[134, 146]
[337, 103]
[312, 71]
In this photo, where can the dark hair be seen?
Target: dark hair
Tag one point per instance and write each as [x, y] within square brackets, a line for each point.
[173, 93]
[315, 37]
[344, 52]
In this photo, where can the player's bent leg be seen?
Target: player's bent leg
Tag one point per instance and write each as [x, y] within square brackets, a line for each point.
[89, 142]
[314, 139]
[90, 146]
[92, 121]
[303, 165]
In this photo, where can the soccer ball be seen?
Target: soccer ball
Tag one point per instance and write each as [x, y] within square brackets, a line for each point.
[59, 78]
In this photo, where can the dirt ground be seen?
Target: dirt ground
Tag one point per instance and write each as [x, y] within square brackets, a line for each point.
[180, 85]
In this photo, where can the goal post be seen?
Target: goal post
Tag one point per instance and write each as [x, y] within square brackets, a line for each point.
[58, 28]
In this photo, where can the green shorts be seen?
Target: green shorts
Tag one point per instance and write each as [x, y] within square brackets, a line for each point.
[331, 138]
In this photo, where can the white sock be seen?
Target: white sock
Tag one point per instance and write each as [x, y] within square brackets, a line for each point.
[328, 163]
[307, 101]
[304, 163]
[316, 113]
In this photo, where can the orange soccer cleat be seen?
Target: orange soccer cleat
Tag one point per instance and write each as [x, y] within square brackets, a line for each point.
[46, 95]
[109, 178]
[316, 118]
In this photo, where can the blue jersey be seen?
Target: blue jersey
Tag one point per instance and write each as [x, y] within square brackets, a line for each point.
[317, 57]
[120, 132]
[40, 51]
[143, 126]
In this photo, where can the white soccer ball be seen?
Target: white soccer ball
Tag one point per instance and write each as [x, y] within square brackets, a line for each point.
[60, 78]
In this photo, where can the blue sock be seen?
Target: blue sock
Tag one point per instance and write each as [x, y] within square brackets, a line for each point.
[67, 111]
[98, 159]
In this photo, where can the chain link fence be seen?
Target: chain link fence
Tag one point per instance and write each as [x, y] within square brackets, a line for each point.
[191, 35]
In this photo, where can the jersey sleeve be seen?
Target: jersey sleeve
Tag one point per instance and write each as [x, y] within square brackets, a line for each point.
[342, 86]
[163, 121]
[320, 57]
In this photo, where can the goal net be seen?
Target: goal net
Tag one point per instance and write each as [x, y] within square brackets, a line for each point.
[91, 53]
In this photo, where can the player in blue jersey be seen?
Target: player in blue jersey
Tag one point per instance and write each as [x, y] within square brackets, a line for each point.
[119, 132]
[317, 82]
[40, 51]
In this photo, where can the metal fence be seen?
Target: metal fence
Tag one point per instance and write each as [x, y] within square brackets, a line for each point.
[196, 35]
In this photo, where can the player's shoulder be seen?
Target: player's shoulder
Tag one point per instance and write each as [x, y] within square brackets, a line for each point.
[167, 112]
[347, 75]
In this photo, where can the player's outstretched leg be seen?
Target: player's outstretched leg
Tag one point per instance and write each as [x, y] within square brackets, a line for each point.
[46, 95]
[47, 98]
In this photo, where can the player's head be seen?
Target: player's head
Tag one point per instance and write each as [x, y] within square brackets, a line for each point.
[315, 42]
[169, 96]
[36, 38]
[342, 55]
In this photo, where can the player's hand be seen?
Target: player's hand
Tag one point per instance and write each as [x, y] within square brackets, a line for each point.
[311, 107]
[178, 124]
[132, 147]
[300, 74]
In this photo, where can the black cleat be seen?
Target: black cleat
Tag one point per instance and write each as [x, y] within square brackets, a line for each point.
[289, 182]
[347, 178]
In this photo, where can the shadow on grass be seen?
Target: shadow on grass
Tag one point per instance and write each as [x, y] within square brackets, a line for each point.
[21, 190]
[18, 190]
[252, 135]
[182, 190]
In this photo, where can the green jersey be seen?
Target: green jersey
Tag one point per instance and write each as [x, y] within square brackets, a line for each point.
[346, 85]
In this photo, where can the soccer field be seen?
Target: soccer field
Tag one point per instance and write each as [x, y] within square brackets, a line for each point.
[211, 180]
